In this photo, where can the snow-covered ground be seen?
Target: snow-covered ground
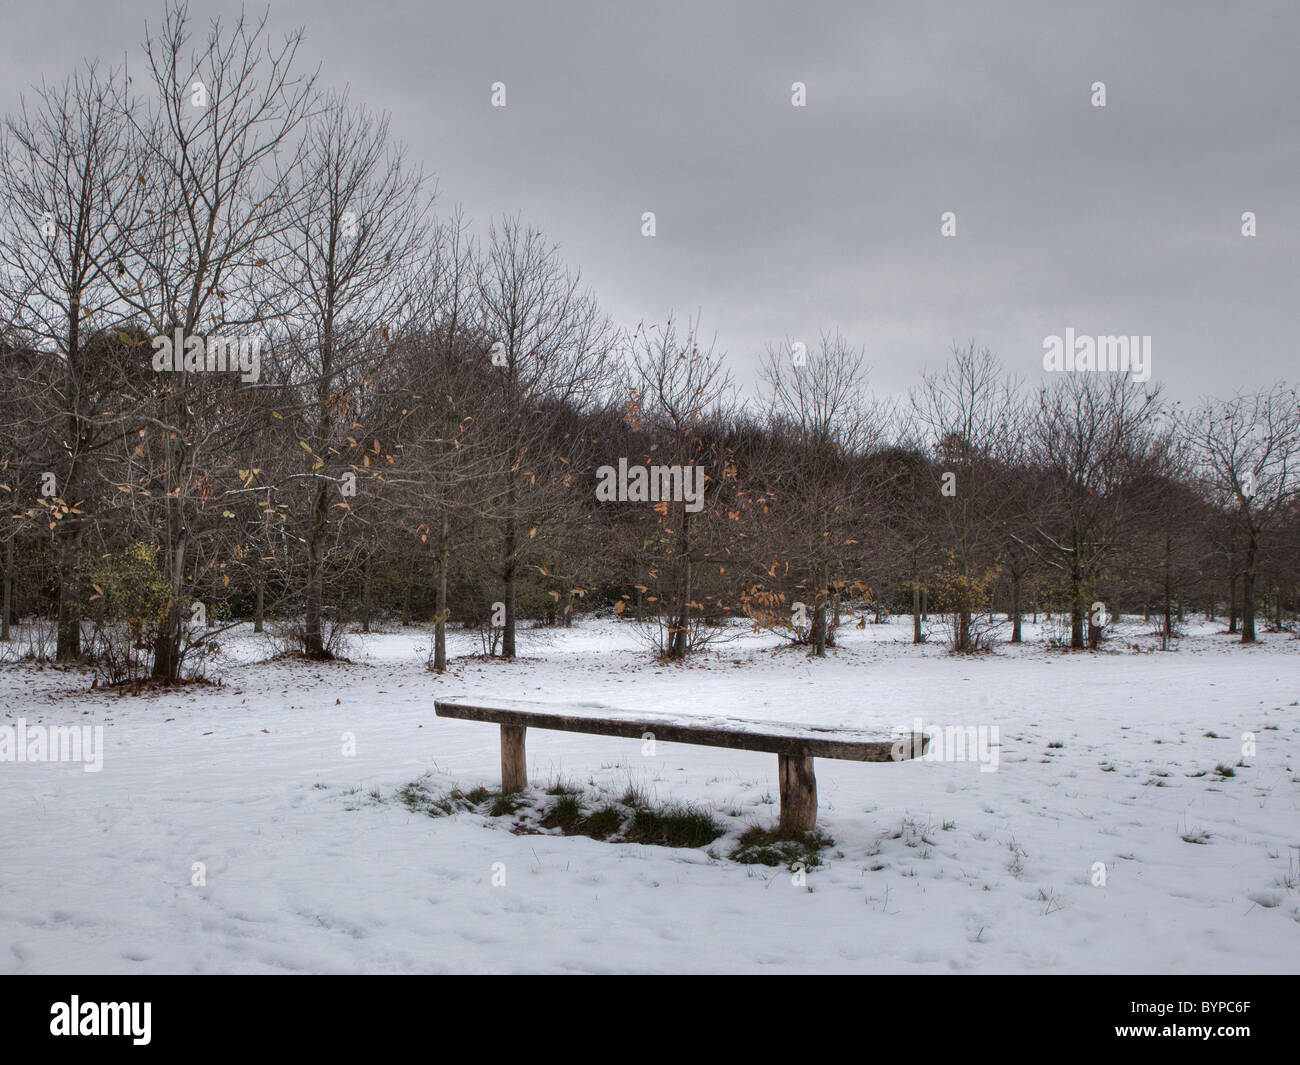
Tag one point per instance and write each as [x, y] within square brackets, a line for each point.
[313, 865]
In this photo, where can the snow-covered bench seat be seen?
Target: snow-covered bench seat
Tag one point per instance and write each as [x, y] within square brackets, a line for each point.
[794, 745]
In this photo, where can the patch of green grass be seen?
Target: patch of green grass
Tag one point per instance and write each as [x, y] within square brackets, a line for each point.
[771, 846]
[603, 823]
[454, 801]
[564, 813]
[1225, 770]
[630, 819]
[505, 805]
[676, 825]
[416, 796]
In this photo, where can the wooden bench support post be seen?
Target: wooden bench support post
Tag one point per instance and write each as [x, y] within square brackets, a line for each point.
[798, 793]
[514, 769]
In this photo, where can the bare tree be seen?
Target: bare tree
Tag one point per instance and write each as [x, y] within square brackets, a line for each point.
[344, 274]
[70, 201]
[448, 483]
[1248, 450]
[970, 412]
[217, 157]
[1090, 435]
[549, 343]
[674, 384]
[817, 404]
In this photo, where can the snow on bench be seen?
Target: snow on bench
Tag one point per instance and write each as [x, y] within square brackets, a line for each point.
[795, 745]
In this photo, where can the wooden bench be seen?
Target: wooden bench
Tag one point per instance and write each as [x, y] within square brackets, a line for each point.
[794, 745]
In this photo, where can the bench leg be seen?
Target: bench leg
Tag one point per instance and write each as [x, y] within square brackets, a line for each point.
[798, 793]
[514, 771]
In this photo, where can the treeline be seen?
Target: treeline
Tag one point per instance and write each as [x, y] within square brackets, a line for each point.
[250, 373]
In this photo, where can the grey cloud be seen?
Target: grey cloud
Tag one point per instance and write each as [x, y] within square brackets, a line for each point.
[781, 221]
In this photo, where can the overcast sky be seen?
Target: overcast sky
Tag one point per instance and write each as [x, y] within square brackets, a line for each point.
[780, 221]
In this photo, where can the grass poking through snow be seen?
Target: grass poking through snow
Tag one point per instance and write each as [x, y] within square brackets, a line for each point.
[675, 825]
[771, 846]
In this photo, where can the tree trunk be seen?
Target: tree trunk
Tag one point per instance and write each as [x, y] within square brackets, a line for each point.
[440, 596]
[1015, 609]
[1077, 611]
[678, 642]
[508, 573]
[313, 642]
[69, 533]
[167, 645]
[69, 635]
[7, 607]
[1248, 592]
[69, 628]
[366, 578]
[835, 617]
[819, 615]
[409, 575]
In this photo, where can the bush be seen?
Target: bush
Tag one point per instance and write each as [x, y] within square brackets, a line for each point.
[964, 599]
[131, 602]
